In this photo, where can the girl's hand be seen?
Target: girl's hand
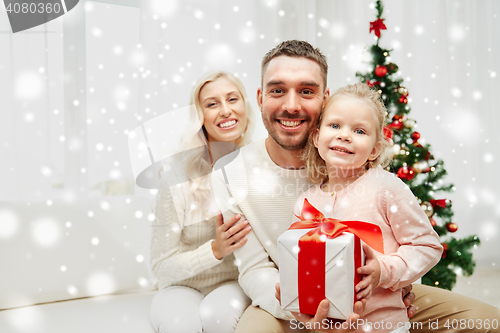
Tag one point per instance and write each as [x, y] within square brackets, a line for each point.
[371, 272]
[228, 236]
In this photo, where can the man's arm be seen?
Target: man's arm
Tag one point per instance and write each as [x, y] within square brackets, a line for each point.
[258, 277]
[258, 274]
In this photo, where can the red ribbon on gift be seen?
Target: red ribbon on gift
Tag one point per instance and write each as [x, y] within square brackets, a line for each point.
[311, 269]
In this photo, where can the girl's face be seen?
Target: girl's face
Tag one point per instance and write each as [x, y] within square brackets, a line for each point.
[347, 136]
[223, 109]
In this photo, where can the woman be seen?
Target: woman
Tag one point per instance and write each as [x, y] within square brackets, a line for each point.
[191, 247]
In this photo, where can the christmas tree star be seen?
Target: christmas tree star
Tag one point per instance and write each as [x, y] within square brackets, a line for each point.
[376, 26]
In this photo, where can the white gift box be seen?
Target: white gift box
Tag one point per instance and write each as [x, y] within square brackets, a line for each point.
[339, 272]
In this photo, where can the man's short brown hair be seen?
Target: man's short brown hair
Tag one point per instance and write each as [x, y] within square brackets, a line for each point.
[298, 49]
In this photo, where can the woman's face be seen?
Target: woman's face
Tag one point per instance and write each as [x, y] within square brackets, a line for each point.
[223, 109]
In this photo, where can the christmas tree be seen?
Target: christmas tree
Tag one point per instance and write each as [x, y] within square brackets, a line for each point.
[414, 164]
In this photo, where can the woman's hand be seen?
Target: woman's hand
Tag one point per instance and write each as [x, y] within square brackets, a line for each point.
[328, 324]
[371, 272]
[229, 236]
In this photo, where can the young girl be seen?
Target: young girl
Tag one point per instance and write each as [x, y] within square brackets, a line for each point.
[191, 247]
[344, 157]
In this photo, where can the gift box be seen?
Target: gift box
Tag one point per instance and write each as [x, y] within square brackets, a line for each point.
[318, 259]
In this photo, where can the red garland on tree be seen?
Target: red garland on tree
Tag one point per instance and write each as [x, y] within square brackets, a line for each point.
[445, 249]
[376, 26]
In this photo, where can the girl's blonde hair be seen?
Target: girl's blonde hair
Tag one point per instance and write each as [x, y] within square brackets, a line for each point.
[316, 167]
[199, 161]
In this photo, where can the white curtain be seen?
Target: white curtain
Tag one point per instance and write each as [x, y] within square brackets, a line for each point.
[148, 57]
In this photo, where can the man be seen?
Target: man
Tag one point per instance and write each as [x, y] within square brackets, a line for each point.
[266, 179]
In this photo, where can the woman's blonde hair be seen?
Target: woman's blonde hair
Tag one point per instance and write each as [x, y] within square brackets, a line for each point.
[199, 161]
[316, 167]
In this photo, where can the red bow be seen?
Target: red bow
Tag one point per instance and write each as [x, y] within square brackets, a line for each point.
[439, 203]
[388, 133]
[331, 228]
[372, 84]
[376, 26]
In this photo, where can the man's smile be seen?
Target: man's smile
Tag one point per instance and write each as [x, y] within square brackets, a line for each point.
[290, 124]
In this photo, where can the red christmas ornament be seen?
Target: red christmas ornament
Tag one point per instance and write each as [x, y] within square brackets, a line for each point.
[380, 71]
[397, 122]
[438, 203]
[452, 227]
[397, 125]
[415, 136]
[402, 99]
[388, 133]
[376, 26]
[433, 222]
[406, 173]
[373, 84]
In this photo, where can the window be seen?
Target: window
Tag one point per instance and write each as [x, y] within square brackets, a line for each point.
[114, 69]
[32, 116]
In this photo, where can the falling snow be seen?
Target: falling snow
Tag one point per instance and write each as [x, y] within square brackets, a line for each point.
[85, 207]
[9, 224]
[45, 232]
[456, 33]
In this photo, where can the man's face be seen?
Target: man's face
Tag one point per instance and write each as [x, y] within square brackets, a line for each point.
[291, 99]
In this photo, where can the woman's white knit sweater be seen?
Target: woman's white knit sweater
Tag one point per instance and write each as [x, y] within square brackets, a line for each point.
[181, 245]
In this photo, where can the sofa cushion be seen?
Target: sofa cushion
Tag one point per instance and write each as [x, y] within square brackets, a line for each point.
[112, 313]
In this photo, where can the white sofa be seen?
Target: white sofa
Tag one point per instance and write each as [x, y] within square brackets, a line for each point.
[76, 266]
